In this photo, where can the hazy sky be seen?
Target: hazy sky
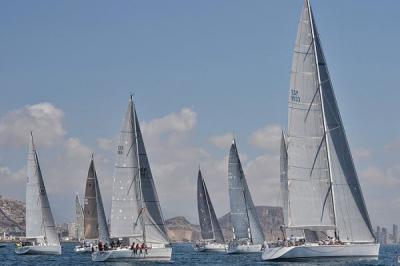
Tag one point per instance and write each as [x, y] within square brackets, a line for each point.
[200, 70]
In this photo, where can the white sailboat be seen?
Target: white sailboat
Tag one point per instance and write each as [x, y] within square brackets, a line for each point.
[247, 232]
[41, 235]
[136, 218]
[90, 217]
[211, 233]
[322, 194]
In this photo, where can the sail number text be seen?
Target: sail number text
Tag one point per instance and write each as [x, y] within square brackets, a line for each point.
[294, 95]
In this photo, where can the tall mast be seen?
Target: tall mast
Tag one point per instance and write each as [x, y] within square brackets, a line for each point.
[142, 207]
[323, 113]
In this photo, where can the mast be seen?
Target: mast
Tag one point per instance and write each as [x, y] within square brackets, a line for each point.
[140, 194]
[323, 114]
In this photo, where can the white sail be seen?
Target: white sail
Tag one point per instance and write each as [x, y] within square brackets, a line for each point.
[79, 219]
[125, 207]
[309, 186]
[39, 219]
[283, 178]
[103, 232]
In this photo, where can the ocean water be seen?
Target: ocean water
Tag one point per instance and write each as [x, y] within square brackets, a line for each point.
[183, 254]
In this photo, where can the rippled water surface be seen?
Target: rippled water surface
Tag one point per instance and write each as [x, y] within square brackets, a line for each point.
[183, 254]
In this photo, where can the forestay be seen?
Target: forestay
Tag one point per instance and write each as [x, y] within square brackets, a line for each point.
[243, 213]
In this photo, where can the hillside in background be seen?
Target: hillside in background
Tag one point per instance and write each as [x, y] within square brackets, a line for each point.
[12, 216]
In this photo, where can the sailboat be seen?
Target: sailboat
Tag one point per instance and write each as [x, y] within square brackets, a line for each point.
[213, 239]
[323, 194]
[79, 219]
[247, 232]
[136, 217]
[90, 219]
[41, 234]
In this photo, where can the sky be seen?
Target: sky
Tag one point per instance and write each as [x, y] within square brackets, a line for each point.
[200, 71]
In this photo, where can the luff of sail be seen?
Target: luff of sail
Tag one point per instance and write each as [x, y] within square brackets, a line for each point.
[209, 225]
[103, 232]
[309, 186]
[283, 177]
[79, 219]
[243, 213]
[154, 222]
[39, 219]
[90, 207]
[352, 219]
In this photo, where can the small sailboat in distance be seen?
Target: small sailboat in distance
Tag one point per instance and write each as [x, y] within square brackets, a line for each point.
[247, 232]
[211, 233]
[323, 195]
[41, 234]
[136, 218]
[90, 217]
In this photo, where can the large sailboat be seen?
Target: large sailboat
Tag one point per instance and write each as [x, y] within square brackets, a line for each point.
[247, 232]
[41, 234]
[90, 217]
[323, 197]
[136, 218]
[211, 233]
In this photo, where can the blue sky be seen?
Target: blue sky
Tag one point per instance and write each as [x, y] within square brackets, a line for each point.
[228, 62]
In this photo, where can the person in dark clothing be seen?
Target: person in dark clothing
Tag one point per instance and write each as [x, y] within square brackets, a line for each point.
[118, 243]
[100, 246]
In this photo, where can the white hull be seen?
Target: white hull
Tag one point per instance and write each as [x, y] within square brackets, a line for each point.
[79, 249]
[316, 251]
[211, 247]
[244, 248]
[39, 250]
[153, 254]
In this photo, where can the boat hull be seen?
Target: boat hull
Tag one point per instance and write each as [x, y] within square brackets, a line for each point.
[244, 248]
[153, 254]
[211, 247]
[323, 251]
[38, 250]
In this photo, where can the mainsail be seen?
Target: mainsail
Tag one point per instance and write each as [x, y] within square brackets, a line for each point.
[209, 225]
[79, 219]
[135, 210]
[90, 206]
[104, 235]
[39, 219]
[324, 191]
[243, 213]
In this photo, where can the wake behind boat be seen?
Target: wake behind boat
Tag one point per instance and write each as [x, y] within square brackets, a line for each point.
[248, 236]
[323, 204]
[41, 235]
[136, 218]
[211, 233]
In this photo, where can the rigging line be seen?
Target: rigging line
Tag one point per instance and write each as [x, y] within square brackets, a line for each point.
[311, 103]
[325, 201]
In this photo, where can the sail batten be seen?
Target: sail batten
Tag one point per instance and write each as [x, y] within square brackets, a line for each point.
[243, 213]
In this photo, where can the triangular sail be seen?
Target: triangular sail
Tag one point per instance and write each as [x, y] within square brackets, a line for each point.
[39, 219]
[90, 206]
[79, 219]
[154, 225]
[209, 225]
[125, 207]
[309, 186]
[104, 235]
[352, 219]
[243, 213]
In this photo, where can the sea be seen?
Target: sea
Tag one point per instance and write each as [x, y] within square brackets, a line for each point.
[183, 254]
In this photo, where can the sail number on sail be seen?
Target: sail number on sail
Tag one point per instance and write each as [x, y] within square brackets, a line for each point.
[295, 96]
